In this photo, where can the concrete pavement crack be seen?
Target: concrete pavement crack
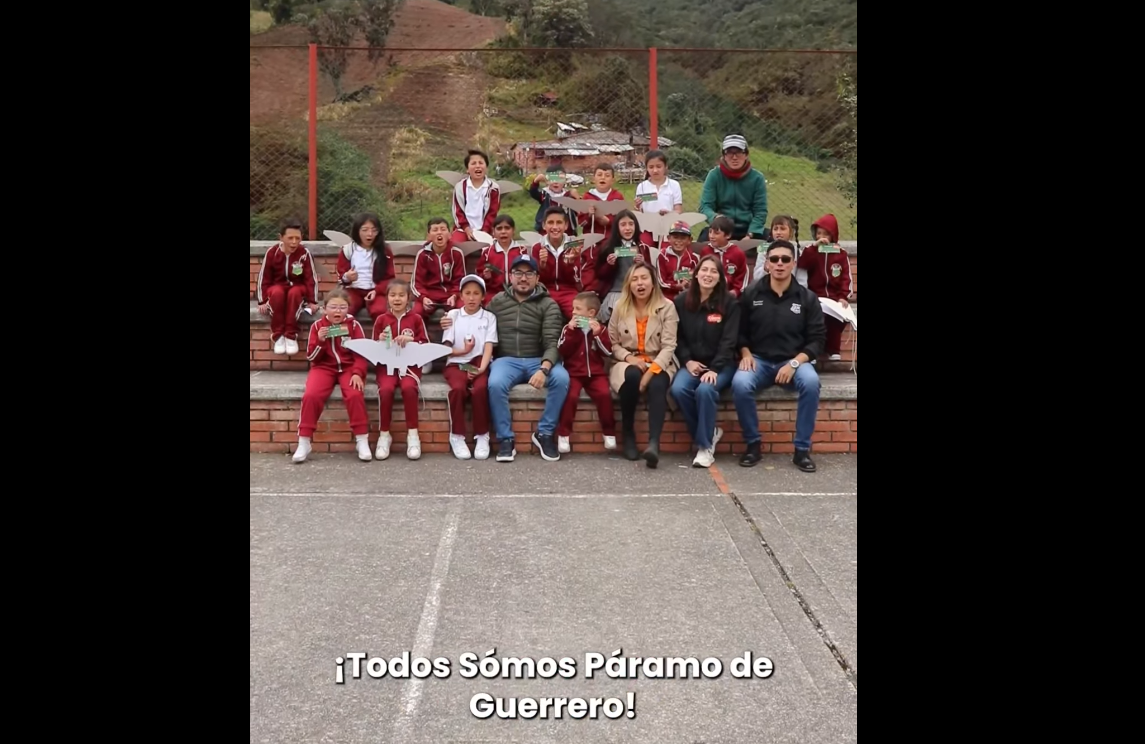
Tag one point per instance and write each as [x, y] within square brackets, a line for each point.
[851, 674]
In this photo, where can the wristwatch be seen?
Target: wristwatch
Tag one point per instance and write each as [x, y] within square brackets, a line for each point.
[545, 371]
[794, 363]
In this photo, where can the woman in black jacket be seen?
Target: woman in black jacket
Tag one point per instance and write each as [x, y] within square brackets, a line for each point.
[705, 347]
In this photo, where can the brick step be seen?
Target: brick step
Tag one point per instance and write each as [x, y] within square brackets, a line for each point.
[262, 356]
[326, 256]
[275, 401]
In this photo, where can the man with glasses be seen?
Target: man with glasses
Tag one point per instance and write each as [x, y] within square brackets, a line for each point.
[781, 332]
[529, 325]
[736, 190]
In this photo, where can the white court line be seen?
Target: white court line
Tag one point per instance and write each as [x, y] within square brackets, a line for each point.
[423, 641]
[484, 495]
[800, 493]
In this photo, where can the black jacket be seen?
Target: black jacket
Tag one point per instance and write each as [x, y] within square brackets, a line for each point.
[777, 327]
[709, 335]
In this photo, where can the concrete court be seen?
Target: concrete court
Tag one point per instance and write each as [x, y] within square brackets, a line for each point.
[594, 553]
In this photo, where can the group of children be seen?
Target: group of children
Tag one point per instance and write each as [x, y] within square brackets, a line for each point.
[585, 283]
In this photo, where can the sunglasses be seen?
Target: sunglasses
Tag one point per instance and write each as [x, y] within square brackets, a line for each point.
[779, 259]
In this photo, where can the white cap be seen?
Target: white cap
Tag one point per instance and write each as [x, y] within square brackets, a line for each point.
[471, 278]
[735, 140]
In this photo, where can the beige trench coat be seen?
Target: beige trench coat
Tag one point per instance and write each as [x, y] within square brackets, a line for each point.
[659, 342]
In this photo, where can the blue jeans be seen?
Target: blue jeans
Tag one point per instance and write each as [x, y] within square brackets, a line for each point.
[698, 402]
[805, 382]
[504, 373]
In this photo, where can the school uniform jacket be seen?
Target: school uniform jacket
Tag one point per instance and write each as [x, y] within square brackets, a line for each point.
[605, 273]
[667, 264]
[438, 277]
[492, 204]
[583, 354]
[498, 260]
[735, 265]
[603, 222]
[331, 353]
[558, 272]
[408, 323]
[381, 277]
[294, 270]
[828, 274]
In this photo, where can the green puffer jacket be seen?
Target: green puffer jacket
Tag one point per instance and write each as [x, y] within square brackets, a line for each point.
[744, 200]
[527, 329]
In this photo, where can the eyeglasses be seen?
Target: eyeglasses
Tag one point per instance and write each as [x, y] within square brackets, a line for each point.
[778, 259]
[524, 274]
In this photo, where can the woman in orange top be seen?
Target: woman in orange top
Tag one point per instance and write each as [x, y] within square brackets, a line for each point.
[642, 329]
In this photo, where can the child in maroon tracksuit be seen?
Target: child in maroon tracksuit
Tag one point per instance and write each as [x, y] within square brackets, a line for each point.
[437, 271]
[331, 363]
[286, 281]
[583, 352]
[405, 326]
[731, 255]
[828, 275]
[494, 261]
[559, 260]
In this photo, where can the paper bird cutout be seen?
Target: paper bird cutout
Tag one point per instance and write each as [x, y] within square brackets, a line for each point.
[747, 244]
[660, 224]
[530, 237]
[398, 359]
[581, 206]
[835, 310]
[337, 238]
[453, 178]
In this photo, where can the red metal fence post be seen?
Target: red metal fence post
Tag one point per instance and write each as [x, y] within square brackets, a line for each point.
[653, 98]
[313, 137]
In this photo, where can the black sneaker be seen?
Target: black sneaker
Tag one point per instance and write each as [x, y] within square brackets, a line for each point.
[547, 445]
[752, 457]
[506, 450]
[803, 461]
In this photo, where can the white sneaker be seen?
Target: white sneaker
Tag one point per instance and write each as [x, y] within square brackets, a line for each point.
[280, 345]
[610, 443]
[704, 459]
[563, 445]
[302, 450]
[364, 449]
[461, 449]
[481, 447]
[291, 346]
[384, 442]
[413, 445]
[717, 435]
[836, 357]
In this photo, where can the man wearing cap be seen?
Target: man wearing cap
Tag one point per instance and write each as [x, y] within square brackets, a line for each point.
[736, 190]
[528, 328]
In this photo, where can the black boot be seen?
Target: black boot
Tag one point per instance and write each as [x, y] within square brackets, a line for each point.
[630, 451]
[752, 457]
[803, 461]
[652, 453]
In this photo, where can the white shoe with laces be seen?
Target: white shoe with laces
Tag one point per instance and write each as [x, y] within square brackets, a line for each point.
[563, 445]
[704, 459]
[385, 439]
[363, 443]
[460, 448]
[291, 346]
[481, 447]
[302, 450]
[280, 345]
[413, 445]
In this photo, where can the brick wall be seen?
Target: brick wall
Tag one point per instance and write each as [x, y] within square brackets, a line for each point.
[273, 427]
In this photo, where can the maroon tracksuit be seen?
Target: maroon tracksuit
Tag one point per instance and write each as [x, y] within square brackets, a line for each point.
[497, 260]
[558, 272]
[828, 275]
[583, 356]
[667, 264]
[381, 276]
[437, 276]
[600, 223]
[331, 363]
[408, 324]
[285, 281]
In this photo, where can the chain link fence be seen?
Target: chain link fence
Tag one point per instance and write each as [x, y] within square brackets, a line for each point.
[389, 119]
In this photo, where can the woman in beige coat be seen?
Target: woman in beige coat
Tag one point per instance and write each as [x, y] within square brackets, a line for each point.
[642, 329]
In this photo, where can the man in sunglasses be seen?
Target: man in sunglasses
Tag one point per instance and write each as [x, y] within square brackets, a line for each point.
[529, 324]
[781, 332]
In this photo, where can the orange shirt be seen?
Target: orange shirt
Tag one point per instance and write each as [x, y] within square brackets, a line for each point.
[641, 328]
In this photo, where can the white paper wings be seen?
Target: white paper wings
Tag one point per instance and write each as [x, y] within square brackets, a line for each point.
[453, 178]
[397, 359]
[581, 206]
[660, 224]
[835, 310]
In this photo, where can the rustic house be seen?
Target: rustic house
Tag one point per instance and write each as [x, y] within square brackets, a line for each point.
[578, 151]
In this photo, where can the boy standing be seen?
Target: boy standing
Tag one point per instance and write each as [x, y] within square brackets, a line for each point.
[285, 282]
[436, 273]
[731, 256]
[602, 191]
[828, 275]
[675, 265]
[584, 345]
[476, 199]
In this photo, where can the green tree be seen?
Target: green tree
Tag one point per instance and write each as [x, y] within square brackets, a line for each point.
[335, 23]
[560, 23]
